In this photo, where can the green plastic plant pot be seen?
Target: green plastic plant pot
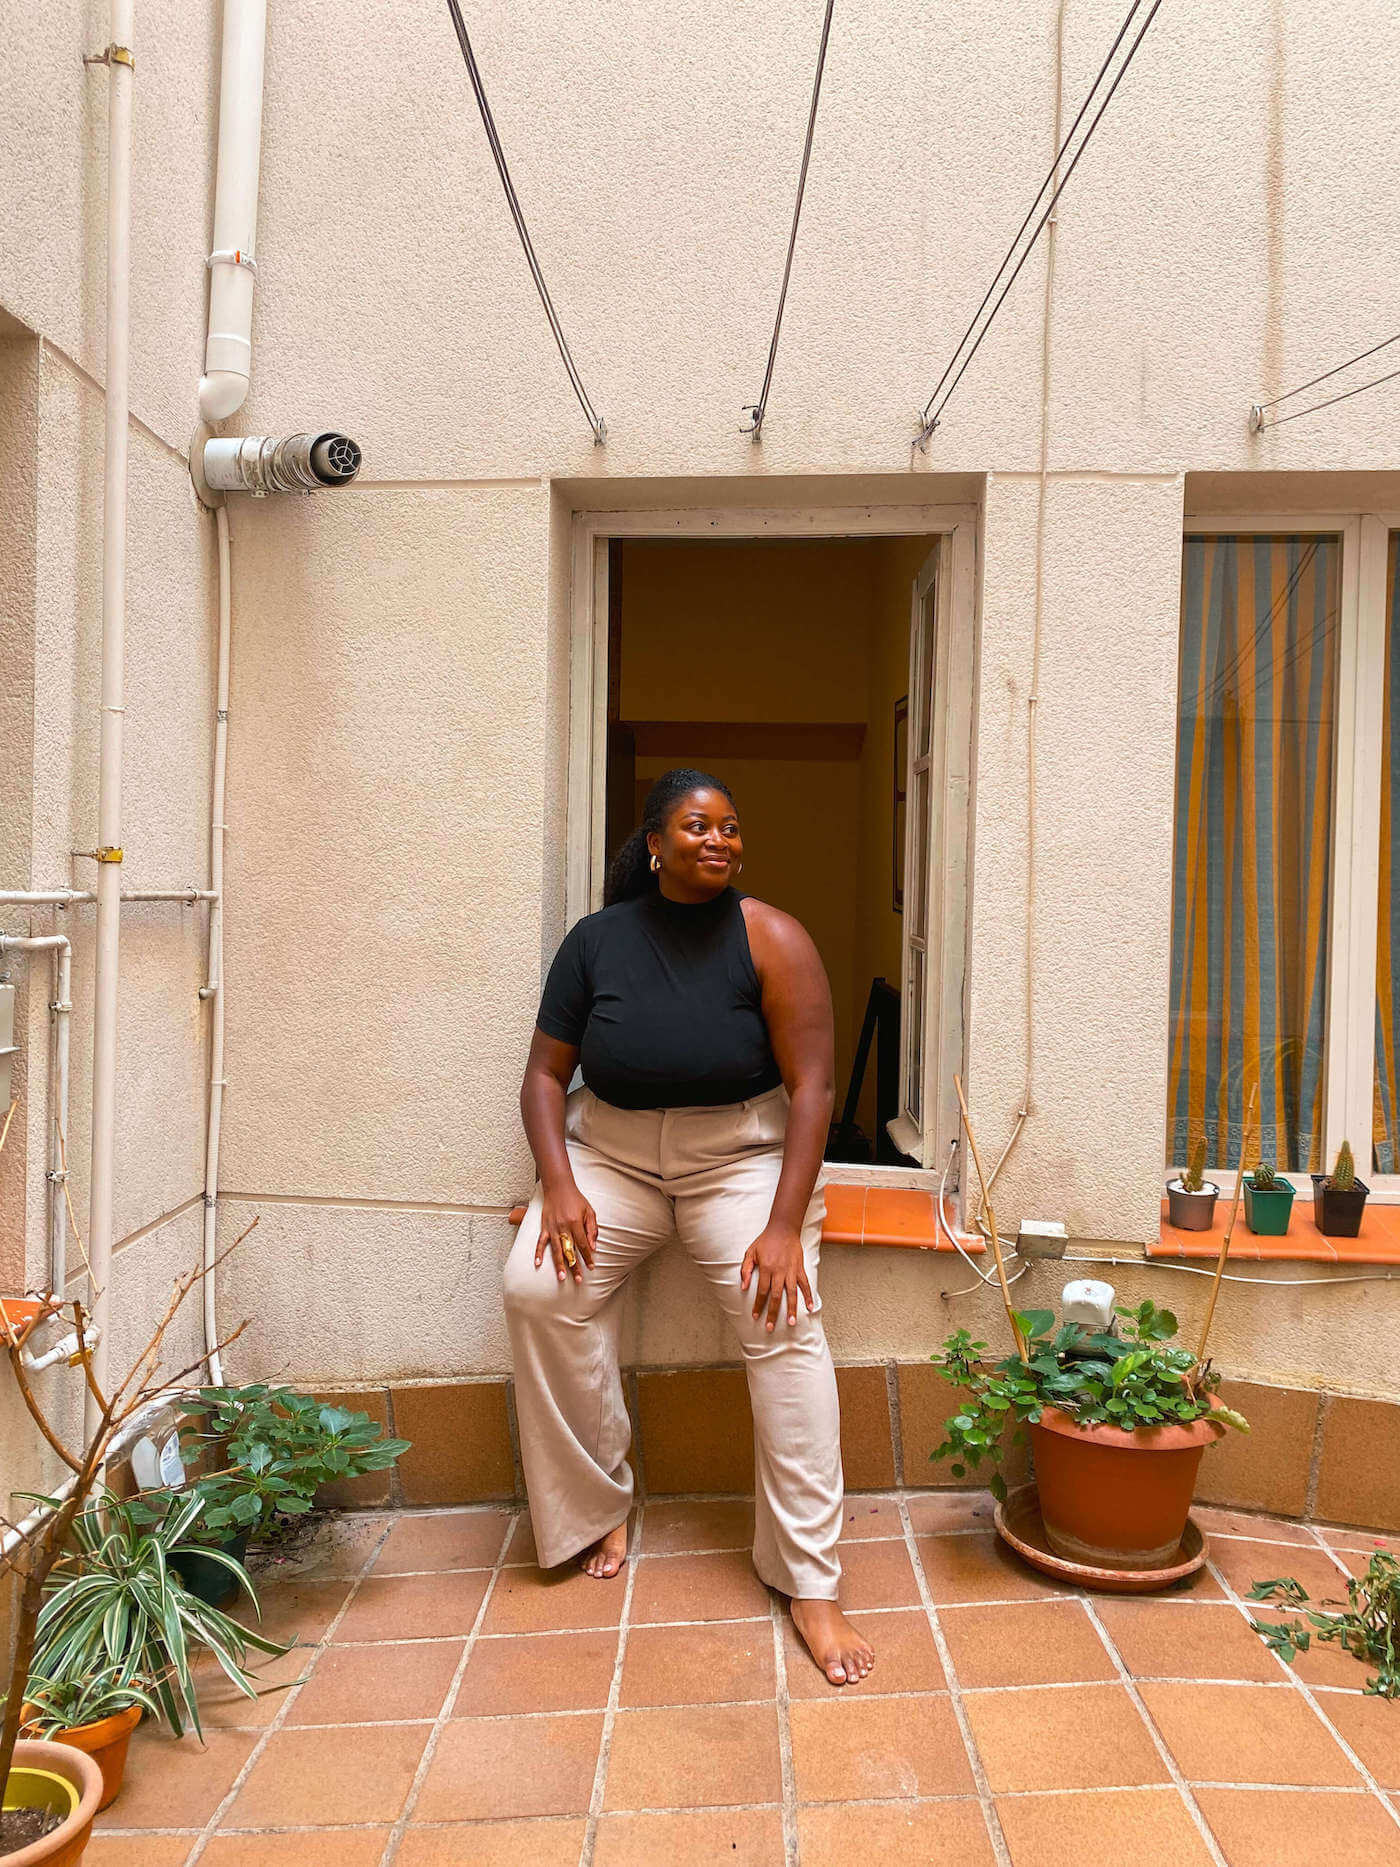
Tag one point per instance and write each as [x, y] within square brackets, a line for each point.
[1268, 1209]
[209, 1581]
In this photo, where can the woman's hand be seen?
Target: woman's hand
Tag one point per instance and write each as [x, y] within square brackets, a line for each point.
[776, 1256]
[567, 1216]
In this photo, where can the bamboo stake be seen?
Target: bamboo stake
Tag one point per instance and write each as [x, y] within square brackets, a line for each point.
[991, 1218]
[1229, 1232]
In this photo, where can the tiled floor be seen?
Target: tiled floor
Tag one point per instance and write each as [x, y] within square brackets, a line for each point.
[456, 1708]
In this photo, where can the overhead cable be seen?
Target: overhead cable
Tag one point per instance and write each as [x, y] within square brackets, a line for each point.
[595, 421]
[1256, 414]
[760, 408]
[938, 401]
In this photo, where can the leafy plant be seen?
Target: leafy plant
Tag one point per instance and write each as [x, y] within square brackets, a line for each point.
[1367, 1624]
[273, 1448]
[1265, 1177]
[1194, 1179]
[62, 1704]
[117, 1605]
[1343, 1175]
[1134, 1380]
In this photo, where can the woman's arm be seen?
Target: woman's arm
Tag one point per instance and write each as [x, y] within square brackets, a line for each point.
[797, 1009]
[548, 1072]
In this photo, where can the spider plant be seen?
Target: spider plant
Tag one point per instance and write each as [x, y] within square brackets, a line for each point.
[116, 1603]
[53, 1705]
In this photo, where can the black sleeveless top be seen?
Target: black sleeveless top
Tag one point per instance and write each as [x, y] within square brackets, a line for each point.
[662, 999]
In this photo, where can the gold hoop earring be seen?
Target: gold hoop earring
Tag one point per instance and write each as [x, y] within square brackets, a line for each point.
[738, 868]
[655, 864]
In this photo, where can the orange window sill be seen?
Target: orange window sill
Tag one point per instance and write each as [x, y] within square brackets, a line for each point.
[1378, 1243]
[876, 1215]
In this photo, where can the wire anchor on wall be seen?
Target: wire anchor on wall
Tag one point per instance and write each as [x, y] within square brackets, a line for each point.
[1259, 417]
[932, 411]
[595, 420]
[757, 410]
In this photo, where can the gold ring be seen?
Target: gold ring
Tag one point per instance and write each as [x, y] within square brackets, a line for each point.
[566, 1245]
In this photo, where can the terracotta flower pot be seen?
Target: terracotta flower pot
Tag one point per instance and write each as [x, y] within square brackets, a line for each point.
[1117, 1499]
[59, 1777]
[105, 1742]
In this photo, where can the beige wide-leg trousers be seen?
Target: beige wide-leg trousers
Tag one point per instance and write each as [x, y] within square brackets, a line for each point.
[707, 1175]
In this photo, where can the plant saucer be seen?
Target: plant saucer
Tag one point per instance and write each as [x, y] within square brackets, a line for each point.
[1019, 1525]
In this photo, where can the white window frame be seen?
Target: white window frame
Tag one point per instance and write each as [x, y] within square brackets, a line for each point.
[1349, 1035]
[948, 848]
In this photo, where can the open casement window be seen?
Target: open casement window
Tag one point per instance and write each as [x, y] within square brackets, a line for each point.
[1285, 968]
[936, 785]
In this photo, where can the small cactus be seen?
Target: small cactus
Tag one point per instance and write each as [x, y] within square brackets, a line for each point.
[1264, 1178]
[1195, 1177]
[1343, 1175]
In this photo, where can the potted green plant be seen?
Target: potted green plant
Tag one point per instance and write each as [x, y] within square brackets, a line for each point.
[1268, 1201]
[272, 1449]
[96, 1714]
[1191, 1198]
[1339, 1198]
[1117, 1421]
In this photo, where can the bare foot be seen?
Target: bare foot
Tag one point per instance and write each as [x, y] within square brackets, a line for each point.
[843, 1655]
[607, 1555]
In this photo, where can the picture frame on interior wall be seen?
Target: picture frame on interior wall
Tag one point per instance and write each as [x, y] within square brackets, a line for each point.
[901, 796]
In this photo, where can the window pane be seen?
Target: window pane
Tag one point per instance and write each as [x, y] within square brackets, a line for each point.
[1251, 883]
[923, 698]
[1385, 1124]
[914, 1038]
[916, 884]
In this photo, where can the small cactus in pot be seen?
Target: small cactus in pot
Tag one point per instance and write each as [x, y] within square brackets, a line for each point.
[1191, 1199]
[1268, 1201]
[1339, 1198]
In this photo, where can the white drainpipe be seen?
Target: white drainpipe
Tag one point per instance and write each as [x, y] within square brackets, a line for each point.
[228, 350]
[214, 989]
[109, 781]
[61, 1007]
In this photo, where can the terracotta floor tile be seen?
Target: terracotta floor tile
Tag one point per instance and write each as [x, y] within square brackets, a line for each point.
[1292, 1828]
[1325, 1662]
[915, 1834]
[522, 1543]
[537, 1601]
[1025, 1643]
[139, 1850]
[299, 1608]
[222, 1707]
[1356, 1561]
[467, 1539]
[1217, 1522]
[674, 1529]
[847, 1748]
[414, 1607]
[713, 1664]
[1072, 1737]
[906, 1660]
[720, 1587]
[1243, 1563]
[877, 1575]
[499, 1769]
[936, 1512]
[337, 1546]
[701, 1756]
[549, 1843]
[980, 1568]
[327, 1847]
[692, 1838]
[1149, 1827]
[538, 1672]
[1187, 1640]
[330, 1774]
[176, 1782]
[1371, 1725]
[1363, 1541]
[379, 1684]
[1246, 1734]
[870, 1514]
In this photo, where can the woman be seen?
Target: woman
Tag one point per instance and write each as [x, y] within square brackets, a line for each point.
[702, 1020]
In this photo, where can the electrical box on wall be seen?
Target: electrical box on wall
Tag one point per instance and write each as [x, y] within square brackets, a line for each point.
[8, 1046]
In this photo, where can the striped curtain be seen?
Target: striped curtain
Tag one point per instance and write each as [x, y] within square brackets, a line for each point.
[1252, 845]
[1385, 1140]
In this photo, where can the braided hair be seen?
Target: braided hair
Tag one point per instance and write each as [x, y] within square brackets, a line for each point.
[630, 872]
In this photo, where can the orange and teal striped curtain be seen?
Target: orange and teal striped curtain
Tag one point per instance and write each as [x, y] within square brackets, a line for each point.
[1385, 1126]
[1250, 882]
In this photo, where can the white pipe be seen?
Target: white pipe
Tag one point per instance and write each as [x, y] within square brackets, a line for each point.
[215, 986]
[61, 1008]
[72, 897]
[109, 781]
[66, 1348]
[228, 350]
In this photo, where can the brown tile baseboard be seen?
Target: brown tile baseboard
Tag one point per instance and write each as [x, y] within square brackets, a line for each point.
[1309, 1454]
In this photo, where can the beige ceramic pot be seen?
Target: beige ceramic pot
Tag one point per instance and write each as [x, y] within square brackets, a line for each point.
[59, 1777]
